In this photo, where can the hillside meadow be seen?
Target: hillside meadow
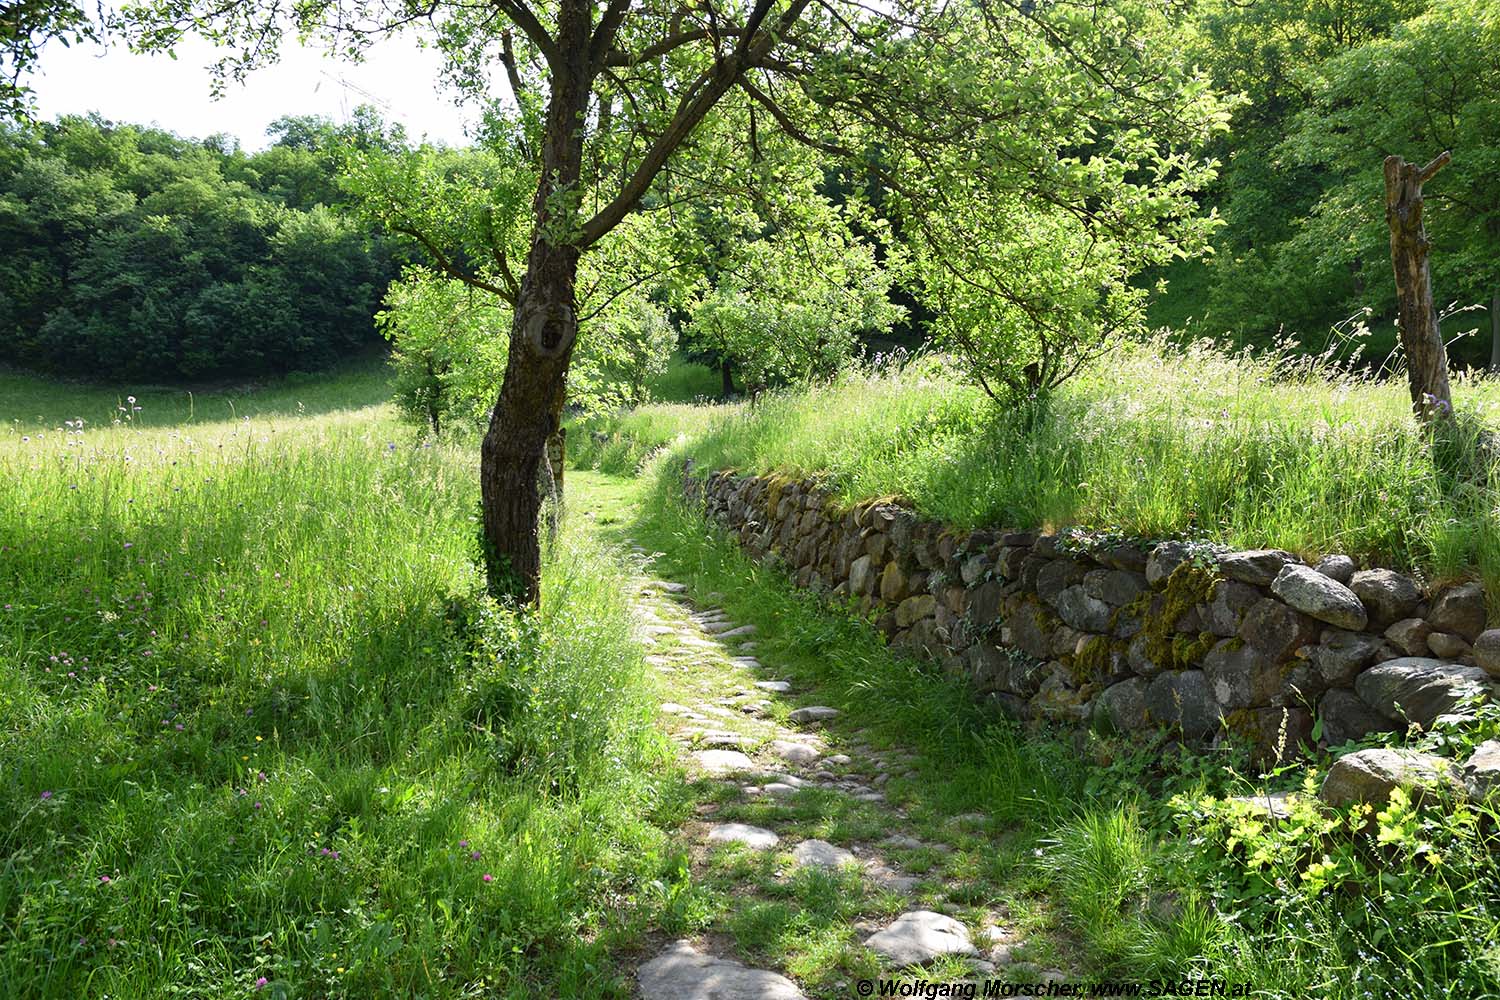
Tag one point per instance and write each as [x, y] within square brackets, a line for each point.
[262, 731]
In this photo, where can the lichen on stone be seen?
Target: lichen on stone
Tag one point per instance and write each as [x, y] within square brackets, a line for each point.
[1092, 662]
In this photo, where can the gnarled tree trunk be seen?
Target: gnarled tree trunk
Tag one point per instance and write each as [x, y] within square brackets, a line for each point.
[1426, 358]
[526, 416]
[543, 331]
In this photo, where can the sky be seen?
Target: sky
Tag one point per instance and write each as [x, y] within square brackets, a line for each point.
[397, 77]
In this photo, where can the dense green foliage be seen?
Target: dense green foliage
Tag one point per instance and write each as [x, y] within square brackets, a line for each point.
[1151, 440]
[129, 251]
[1332, 87]
[260, 724]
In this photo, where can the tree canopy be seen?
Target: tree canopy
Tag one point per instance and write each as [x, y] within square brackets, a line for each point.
[132, 251]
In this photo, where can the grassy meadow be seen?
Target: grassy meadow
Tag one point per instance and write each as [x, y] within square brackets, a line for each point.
[262, 731]
[1155, 440]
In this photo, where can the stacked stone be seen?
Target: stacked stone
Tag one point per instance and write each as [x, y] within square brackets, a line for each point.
[1132, 634]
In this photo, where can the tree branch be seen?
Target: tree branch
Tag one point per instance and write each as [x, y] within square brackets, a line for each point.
[690, 111]
[523, 18]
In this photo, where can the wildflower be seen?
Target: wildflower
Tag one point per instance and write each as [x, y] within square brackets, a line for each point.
[105, 880]
[46, 795]
[257, 805]
[260, 983]
[130, 400]
[463, 844]
[473, 855]
[488, 877]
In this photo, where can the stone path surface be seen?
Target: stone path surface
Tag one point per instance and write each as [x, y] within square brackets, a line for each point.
[791, 808]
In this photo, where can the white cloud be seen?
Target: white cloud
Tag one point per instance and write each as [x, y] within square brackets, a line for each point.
[397, 76]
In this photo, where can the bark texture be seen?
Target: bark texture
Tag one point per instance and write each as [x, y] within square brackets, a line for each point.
[543, 332]
[1426, 358]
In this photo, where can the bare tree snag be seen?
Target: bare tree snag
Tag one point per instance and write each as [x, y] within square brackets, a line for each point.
[1495, 332]
[1426, 358]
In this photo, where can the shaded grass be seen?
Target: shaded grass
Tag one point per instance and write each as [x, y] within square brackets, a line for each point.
[685, 381]
[31, 403]
[1155, 441]
[258, 720]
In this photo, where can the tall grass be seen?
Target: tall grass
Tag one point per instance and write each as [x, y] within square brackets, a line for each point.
[1157, 440]
[257, 721]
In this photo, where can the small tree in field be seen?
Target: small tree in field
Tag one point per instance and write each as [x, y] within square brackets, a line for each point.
[786, 307]
[1082, 112]
[446, 358]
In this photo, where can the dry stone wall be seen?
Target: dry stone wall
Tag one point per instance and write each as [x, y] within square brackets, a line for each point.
[1129, 633]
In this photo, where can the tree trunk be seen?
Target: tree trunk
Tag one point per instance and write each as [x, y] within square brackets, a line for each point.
[1426, 358]
[526, 416]
[727, 388]
[1495, 332]
[543, 331]
[550, 481]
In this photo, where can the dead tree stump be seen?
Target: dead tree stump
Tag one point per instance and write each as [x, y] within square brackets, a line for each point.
[1426, 357]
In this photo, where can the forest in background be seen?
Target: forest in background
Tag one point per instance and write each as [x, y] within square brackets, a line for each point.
[131, 251]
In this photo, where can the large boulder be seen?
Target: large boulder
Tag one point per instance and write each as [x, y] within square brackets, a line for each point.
[1081, 611]
[1240, 676]
[1031, 631]
[1409, 635]
[861, 576]
[1369, 776]
[1116, 587]
[1165, 558]
[1182, 699]
[894, 585]
[1417, 689]
[984, 604]
[1123, 705]
[1341, 568]
[1226, 611]
[1140, 660]
[1345, 717]
[1387, 595]
[1460, 610]
[1276, 629]
[1057, 576]
[1487, 651]
[1257, 567]
[913, 609]
[1341, 655]
[1322, 597]
[1301, 686]
[1481, 772]
[1446, 645]
[1128, 556]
